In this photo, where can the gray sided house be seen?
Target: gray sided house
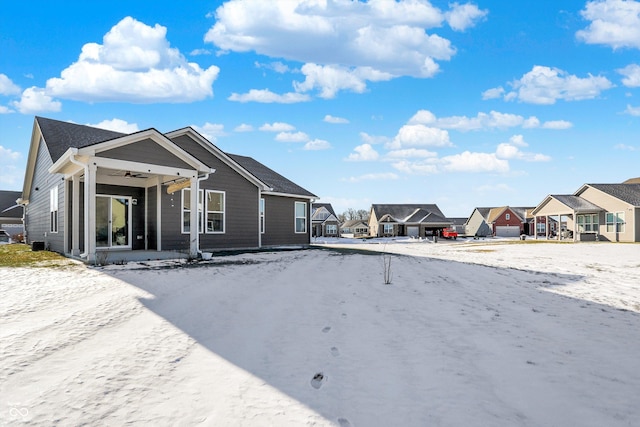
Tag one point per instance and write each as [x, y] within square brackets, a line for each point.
[11, 213]
[354, 228]
[609, 212]
[413, 220]
[324, 220]
[88, 191]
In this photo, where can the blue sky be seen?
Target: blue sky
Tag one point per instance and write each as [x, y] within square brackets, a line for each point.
[487, 103]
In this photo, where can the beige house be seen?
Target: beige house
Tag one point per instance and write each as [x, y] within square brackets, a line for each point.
[609, 212]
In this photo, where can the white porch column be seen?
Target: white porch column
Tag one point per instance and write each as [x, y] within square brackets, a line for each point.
[75, 214]
[90, 211]
[159, 214]
[535, 227]
[194, 244]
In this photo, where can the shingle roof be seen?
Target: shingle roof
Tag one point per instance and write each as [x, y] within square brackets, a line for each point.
[352, 222]
[60, 136]
[327, 206]
[277, 182]
[411, 212]
[578, 204]
[629, 193]
[8, 200]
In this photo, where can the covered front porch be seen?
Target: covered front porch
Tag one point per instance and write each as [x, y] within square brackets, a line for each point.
[567, 217]
[116, 206]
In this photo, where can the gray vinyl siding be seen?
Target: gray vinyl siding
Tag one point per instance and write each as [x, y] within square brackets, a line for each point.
[241, 206]
[145, 151]
[37, 212]
[280, 221]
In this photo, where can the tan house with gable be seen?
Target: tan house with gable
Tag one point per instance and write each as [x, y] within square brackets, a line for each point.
[609, 212]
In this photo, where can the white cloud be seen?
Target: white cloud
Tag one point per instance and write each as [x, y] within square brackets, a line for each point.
[198, 52]
[633, 111]
[622, 147]
[463, 16]
[373, 177]
[493, 93]
[9, 154]
[134, 64]
[35, 100]
[7, 87]
[336, 120]
[276, 66]
[5, 110]
[632, 75]
[244, 128]
[317, 144]
[331, 79]
[557, 124]
[373, 139]
[292, 137]
[277, 127]
[265, 96]
[491, 120]
[117, 125]
[474, 162]
[545, 85]
[425, 167]
[211, 131]
[511, 150]
[343, 44]
[615, 23]
[363, 153]
[419, 136]
[10, 175]
[410, 153]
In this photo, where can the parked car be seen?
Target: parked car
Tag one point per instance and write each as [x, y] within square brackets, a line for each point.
[4, 238]
[450, 233]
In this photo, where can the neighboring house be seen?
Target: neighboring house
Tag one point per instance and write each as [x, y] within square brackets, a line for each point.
[88, 190]
[414, 220]
[11, 213]
[324, 221]
[458, 225]
[504, 221]
[354, 228]
[608, 212]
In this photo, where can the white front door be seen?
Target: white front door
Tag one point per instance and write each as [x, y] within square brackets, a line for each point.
[113, 222]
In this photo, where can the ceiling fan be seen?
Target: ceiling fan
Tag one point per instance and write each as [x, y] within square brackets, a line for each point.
[128, 174]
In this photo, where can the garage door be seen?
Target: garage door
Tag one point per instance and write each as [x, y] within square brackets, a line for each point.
[413, 231]
[507, 230]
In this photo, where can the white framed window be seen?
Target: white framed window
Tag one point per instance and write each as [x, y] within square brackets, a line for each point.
[262, 217]
[215, 204]
[615, 222]
[301, 217]
[542, 228]
[587, 223]
[360, 230]
[387, 228]
[186, 210]
[507, 216]
[332, 229]
[53, 210]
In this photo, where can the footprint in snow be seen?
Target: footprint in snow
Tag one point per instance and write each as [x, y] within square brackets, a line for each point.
[343, 422]
[326, 329]
[316, 381]
[335, 352]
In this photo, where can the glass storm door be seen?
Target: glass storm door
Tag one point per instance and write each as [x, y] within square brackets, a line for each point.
[113, 219]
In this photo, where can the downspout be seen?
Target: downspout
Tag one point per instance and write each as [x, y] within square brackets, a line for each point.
[72, 159]
[201, 178]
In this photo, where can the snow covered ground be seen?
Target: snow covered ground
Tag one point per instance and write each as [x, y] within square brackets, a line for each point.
[490, 333]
